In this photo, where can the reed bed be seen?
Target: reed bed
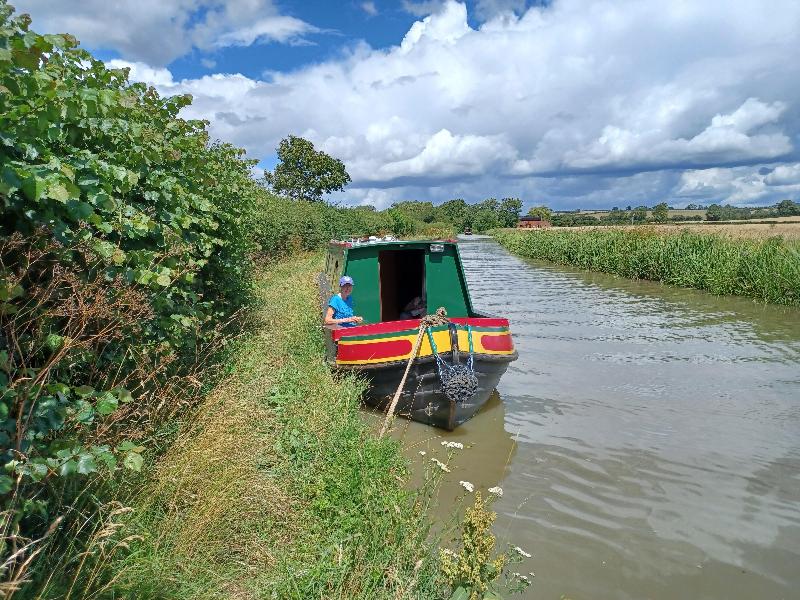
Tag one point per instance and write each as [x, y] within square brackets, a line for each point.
[766, 269]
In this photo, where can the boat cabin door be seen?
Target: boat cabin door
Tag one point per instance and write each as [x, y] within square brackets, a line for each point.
[402, 279]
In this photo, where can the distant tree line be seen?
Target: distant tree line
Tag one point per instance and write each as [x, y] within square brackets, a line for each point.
[660, 213]
[458, 214]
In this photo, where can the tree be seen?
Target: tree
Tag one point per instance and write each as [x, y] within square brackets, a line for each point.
[714, 213]
[508, 211]
[304, 173]
[787, 208]
[543, 212]
[661, 212]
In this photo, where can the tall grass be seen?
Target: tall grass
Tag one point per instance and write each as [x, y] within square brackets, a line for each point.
[278, 488]
[768, 269]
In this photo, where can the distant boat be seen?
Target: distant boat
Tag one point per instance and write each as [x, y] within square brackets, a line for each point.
[389, 275]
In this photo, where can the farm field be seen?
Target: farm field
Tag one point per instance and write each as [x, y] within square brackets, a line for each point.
[787, 227]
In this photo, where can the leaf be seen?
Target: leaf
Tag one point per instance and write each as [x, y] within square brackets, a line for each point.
[85, 412]
[53, 342]
[163, 280]
[128, 446]
[58, 192]
[86, 463]
[106, 404]
[123, 395]
[460, 593]
[133, 461]
[33, 187]
[68, 468]
[84, 390]
[6, 484]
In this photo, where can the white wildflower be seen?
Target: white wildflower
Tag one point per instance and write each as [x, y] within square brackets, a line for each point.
[467, 486]
[441, 465]
[456, 445]
[448, 552]
[522, 552]
[422, 453]
[496, 490]
[524, 578]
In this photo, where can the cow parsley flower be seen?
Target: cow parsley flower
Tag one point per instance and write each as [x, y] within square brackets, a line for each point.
[522, 552]
[456, 445]
[441, 465]
[467, 486]
[496, 490]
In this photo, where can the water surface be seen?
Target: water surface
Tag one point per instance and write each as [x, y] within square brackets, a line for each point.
[648, 437]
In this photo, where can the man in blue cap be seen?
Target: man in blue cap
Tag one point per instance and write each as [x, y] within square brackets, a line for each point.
[340, 306]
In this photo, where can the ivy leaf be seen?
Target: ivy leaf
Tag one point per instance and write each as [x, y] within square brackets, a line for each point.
[163, 280]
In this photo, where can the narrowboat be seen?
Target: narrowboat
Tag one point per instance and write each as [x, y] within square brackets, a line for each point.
[390, 276]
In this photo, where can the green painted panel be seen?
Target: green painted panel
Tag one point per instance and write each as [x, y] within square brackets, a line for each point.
[362, 266]
[445, 285]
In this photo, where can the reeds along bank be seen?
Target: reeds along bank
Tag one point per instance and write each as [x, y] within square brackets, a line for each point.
[766, 269]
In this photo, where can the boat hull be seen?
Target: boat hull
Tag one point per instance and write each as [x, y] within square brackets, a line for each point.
[422, 398]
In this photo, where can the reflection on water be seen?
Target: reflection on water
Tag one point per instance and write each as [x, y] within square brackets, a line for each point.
[485, 460]
[657, 435]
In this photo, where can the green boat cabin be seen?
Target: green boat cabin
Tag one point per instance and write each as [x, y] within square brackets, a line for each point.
[388, 274]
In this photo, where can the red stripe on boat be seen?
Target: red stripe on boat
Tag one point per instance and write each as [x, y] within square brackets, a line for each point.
[497, 342]
[373, 350]
[395, 326]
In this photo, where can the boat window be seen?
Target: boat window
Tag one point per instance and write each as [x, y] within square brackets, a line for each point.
[402, 278]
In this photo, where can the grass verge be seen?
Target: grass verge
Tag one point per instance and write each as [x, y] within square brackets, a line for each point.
[767, 269]
[277, 488]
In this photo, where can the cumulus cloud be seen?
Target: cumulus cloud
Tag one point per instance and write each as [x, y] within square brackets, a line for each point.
[741, 185]
[157, 32]
[577, 102]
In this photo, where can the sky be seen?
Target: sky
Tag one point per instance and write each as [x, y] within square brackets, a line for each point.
[570, 103]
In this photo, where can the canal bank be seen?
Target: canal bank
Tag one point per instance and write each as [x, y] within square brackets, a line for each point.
[277, 488]
[763, 265]
[649, 443]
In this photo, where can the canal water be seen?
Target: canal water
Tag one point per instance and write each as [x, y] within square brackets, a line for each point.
[647, 440]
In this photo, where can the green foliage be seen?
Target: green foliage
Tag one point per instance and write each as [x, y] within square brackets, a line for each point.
[661, 212]
[768, 270]
[508, 212]
[126, 241]
[543, 212]
[472, 570]
[304, 173]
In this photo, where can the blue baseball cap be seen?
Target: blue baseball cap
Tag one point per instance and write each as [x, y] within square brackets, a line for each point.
[345, 279]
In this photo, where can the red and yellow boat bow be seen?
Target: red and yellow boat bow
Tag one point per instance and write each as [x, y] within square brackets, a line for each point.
[392, 341]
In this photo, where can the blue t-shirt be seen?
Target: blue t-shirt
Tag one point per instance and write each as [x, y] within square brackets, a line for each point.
[342, 309]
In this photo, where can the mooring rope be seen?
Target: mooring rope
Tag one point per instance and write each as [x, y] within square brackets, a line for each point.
[440, 318]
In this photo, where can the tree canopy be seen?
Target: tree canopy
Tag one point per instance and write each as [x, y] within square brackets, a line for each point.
[305, 173]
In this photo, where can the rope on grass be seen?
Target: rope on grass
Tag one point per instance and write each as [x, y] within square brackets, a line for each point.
[440, 318]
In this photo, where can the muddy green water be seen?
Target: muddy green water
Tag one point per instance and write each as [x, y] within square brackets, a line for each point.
[647, 440]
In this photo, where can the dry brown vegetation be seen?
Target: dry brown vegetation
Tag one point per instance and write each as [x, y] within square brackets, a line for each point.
[788, 228]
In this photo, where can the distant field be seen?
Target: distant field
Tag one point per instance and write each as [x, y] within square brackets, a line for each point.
[738, 229]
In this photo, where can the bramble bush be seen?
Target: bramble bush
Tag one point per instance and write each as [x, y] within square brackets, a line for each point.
[126, 243]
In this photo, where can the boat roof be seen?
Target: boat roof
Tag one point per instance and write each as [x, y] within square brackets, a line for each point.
[388, 241]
